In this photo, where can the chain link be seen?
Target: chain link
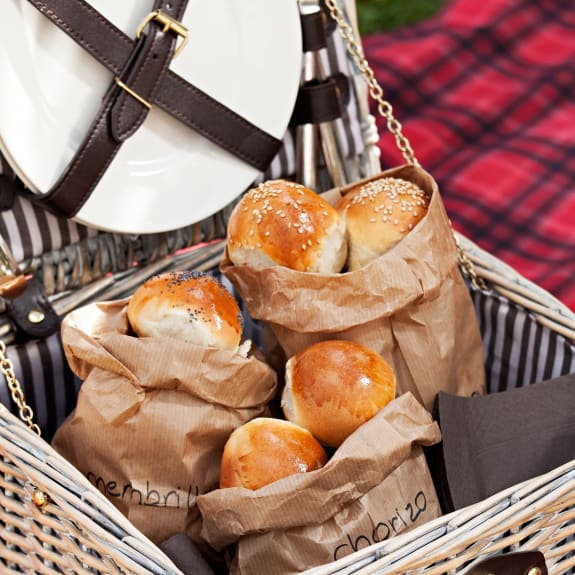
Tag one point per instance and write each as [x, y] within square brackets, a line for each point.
[468, 268]
[26, 413]
[384, 108]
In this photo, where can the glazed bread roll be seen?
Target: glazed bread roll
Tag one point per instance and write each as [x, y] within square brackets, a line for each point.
[189, 306]
[334, 386]
[378, 215]
[281, 223]
[266, 449]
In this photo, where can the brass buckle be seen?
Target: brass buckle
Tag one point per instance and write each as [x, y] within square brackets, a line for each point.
[169, 24]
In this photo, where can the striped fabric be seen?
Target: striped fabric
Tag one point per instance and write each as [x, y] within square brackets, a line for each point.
[485, 93]
[518, 349]
[49, 386]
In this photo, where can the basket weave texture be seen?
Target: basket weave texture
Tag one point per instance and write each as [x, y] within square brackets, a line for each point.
[80, 531]
[76, 531]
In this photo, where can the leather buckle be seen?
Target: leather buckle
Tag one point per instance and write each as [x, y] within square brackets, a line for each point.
[169, 25]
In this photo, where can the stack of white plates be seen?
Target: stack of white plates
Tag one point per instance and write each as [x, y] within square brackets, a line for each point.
[247, 55]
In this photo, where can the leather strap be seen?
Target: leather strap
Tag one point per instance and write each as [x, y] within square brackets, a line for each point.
[142, 66]
[321, 101]
[313, 30]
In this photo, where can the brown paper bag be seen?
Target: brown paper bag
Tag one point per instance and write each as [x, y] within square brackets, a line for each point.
[153, 416]
[410, 305]
[375, 486]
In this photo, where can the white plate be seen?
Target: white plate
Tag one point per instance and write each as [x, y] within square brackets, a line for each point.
[245, 54]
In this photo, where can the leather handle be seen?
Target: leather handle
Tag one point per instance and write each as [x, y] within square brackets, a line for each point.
[519, 563]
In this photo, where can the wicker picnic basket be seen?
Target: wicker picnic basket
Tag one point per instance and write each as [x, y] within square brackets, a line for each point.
[53, 520]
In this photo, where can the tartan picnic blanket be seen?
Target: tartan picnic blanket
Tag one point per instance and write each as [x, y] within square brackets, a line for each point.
[485, 92]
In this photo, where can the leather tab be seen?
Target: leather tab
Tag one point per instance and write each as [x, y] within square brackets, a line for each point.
[321, 101]
[313, 31]
[520, 563]
[31, 312]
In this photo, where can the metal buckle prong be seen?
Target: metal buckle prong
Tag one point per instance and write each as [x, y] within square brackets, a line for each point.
[132, 93]
[169, 24]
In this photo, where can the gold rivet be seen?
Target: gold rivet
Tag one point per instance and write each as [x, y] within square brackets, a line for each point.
[534, 571]
[36, 316]
[40, 498]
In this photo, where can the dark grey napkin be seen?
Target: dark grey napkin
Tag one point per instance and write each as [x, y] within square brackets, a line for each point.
[494, 441]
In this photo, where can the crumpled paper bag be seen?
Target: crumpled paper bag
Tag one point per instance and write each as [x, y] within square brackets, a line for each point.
[374, 486]
[153, 415]
[411, 304]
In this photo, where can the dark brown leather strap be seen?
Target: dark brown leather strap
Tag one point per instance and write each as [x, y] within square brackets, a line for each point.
[321, 100]
[313, 30]
[142, 66]
[119, 116]
[143, 73]
[112, 48]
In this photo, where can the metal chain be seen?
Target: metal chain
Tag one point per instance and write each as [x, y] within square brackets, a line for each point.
[384, 108]
[26, 413]
[468, 268]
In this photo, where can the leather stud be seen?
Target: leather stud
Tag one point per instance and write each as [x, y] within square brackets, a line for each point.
[36, 316]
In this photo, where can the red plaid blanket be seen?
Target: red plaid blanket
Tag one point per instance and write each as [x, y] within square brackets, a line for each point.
[485, 94]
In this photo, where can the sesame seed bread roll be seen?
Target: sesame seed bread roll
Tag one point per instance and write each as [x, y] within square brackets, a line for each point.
[267, 449]
[281, 223]
[188, 306]
[334, 386]
[378, 215]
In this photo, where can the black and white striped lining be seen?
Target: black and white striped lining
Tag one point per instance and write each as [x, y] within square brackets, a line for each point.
[49, 386]
[518, 349]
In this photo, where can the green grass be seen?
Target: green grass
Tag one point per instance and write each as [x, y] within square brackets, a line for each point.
[385, 15]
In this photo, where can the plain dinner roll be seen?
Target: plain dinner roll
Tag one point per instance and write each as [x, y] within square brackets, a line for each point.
[266, 449]
[378, 215]
[334, 386]
[286, 224]
[189, 306]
